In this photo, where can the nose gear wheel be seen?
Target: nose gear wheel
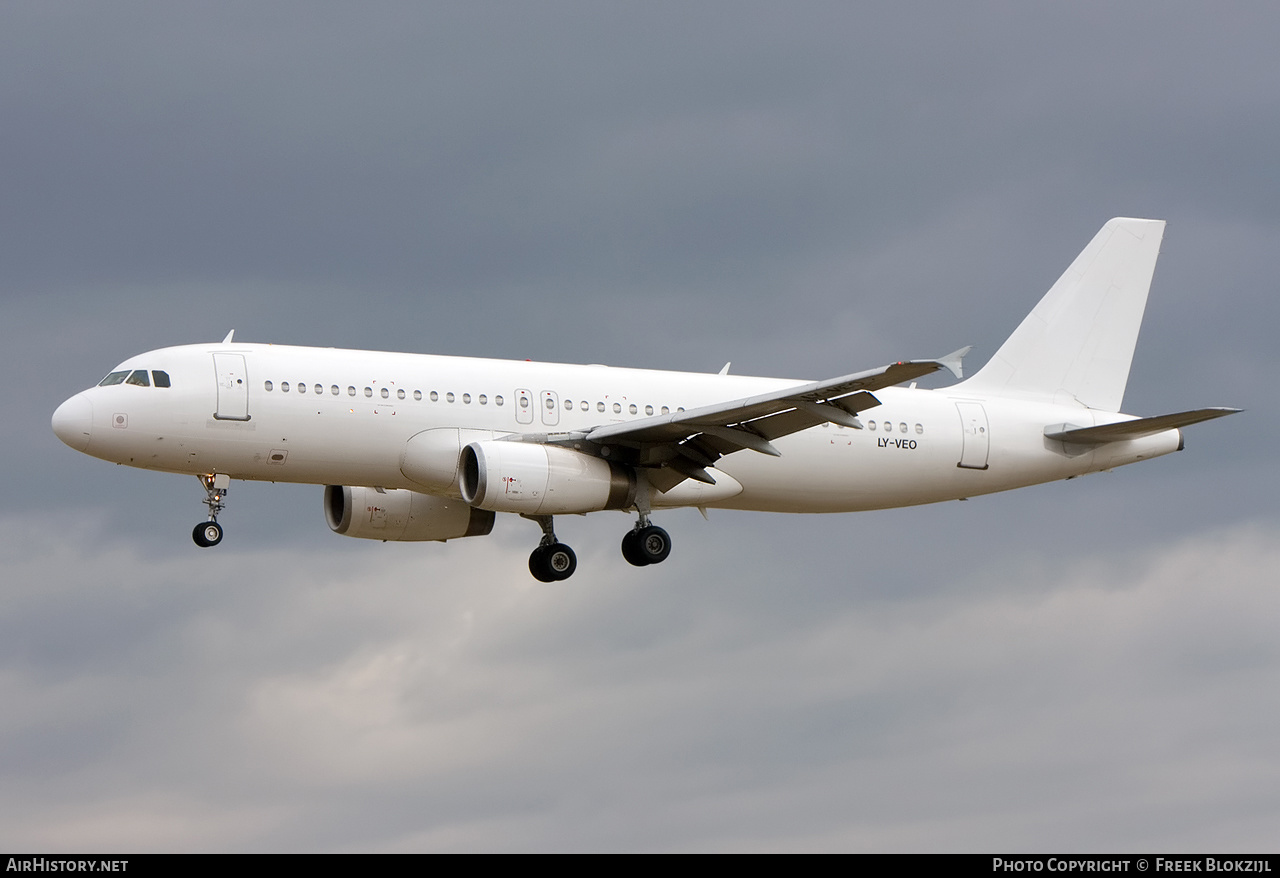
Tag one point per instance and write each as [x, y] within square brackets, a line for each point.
[209, 533]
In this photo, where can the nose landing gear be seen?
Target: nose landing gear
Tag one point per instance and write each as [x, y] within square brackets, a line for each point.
[209, 533]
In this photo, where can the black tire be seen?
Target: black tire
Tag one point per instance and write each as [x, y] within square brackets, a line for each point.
[654, 544]
[207, 534]
[539, 567]
[631, 549]
[560, 561]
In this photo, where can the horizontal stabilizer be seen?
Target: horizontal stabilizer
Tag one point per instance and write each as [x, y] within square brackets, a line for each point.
[1134, 429]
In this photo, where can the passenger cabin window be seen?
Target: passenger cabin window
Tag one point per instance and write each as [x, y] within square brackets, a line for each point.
[161, 379]
[139, 377]
[114, 378]
[267, 385]
[302, 387]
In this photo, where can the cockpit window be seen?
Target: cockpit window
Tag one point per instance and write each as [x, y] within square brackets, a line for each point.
[161, 379]
[139, 377]
[114, 378]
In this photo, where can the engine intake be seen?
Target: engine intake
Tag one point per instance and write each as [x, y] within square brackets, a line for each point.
[541, 479]
[396, 514]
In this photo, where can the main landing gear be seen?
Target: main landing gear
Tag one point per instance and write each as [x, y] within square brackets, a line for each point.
[552, 561]
[646, 544]
[209, 533]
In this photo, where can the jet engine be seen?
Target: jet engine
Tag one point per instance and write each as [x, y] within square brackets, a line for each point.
[541, 479]
[396, 514]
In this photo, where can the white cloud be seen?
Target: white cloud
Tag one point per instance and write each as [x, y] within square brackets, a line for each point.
[338, 701]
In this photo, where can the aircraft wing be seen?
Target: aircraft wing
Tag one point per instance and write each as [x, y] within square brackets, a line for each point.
[682, 445]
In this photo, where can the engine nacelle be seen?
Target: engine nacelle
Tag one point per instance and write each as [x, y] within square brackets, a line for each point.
[396, 514]
[541, 479]
[430, 458]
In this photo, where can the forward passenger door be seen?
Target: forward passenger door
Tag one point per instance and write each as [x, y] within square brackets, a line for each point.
[233, 387]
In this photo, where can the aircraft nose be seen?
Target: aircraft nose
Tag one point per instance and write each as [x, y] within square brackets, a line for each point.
[73, 422]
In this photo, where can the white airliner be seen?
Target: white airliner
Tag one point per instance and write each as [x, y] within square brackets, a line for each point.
[416, 447]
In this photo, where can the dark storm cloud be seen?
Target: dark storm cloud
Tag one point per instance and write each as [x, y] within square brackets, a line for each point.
[437, 152]
[804, 191]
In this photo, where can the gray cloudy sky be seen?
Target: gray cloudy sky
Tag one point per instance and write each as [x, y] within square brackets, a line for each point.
[804, 189]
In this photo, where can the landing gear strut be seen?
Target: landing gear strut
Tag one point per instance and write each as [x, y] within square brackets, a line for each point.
[552, 561]
[645, 543]
[209, 533]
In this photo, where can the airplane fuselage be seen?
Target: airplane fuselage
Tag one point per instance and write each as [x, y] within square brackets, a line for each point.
[329, 416]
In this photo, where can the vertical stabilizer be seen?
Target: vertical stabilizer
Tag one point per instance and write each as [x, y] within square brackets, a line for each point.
[1077, 344]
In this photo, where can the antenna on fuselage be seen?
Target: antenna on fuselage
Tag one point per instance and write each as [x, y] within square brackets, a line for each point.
[227, 340]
